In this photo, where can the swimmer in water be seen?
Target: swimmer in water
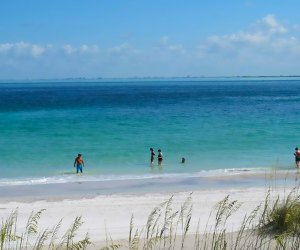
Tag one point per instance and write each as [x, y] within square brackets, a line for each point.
[182, 160]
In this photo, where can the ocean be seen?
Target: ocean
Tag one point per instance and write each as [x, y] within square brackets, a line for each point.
[220, 125]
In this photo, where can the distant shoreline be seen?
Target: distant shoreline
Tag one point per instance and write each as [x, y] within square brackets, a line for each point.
[153, 78]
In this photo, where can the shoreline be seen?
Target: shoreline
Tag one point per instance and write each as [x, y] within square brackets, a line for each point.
[91, 189]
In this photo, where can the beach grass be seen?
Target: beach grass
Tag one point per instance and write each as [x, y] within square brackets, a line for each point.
[273, 224]
[33, 238]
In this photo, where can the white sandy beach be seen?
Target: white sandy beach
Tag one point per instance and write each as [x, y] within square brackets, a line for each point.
[106, 207]
[112, 213]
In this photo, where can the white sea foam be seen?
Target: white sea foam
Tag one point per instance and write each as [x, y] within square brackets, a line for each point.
[71, 178]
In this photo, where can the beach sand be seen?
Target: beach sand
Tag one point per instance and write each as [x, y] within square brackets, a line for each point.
[110, 214]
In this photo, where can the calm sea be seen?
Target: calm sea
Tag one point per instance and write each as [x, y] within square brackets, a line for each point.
[219, 125]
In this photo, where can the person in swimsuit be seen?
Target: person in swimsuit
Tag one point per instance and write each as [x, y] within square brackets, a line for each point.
[79, 163]
[160, 157]
[152, 155]
[297, 157]
[182, 160]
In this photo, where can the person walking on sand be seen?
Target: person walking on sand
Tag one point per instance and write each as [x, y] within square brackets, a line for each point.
[160, 157]
[152, 155]
[79, 163]
[297, 157]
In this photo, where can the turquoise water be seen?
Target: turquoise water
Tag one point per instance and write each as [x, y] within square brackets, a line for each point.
[219, 126]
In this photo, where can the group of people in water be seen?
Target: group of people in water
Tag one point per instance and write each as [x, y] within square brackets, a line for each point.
[79, 162]
[159, 156]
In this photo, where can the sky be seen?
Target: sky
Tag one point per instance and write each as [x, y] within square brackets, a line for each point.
[157, 38]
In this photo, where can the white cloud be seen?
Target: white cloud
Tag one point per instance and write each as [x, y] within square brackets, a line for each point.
[124, 50]
[5, 47]
[88, 49]
[22, 49]
[119, 49]
[272, 24]
[165, 46]
[267, 47]
[69, 49]
[37, 50]
[268, 36]
[241, 37]
[176, 48]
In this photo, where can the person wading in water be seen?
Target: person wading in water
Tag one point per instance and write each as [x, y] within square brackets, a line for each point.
[79, 163]
[160, 157]
[152, 155]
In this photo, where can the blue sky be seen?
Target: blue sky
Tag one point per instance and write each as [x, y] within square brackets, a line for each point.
[130, 38]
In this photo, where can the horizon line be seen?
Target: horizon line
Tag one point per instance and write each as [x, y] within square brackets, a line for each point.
[150, 77]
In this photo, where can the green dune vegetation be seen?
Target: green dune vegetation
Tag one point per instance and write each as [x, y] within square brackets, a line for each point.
[273, 224]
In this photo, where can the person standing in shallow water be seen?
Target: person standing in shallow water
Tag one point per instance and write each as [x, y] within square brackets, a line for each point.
[160, 157]
[297, 157]
[152, 155]
[79, 163]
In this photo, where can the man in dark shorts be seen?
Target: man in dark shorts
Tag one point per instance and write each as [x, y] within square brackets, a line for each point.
[297, 157]
[79, 163]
